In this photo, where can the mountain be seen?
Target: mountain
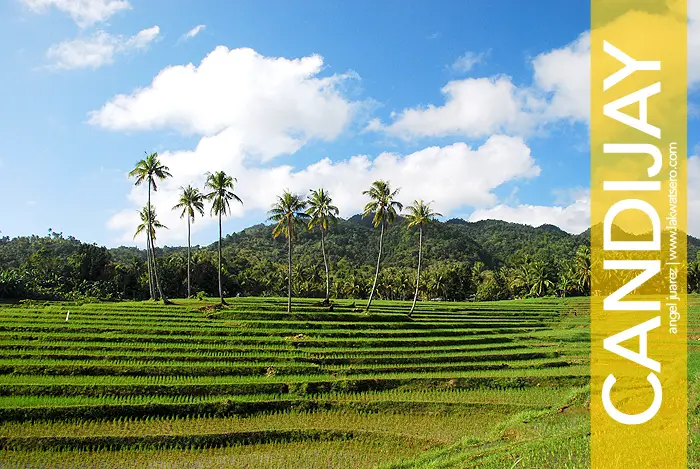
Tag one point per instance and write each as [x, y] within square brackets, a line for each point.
[355, 241]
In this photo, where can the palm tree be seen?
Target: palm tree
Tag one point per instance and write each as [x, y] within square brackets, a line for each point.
[149, 169]
[290, 216]
[419, 214]
[384, 208]
[540, 279]
[221, 185]
[149, 223]
[582, 269]
[322, 213]
[191, 200]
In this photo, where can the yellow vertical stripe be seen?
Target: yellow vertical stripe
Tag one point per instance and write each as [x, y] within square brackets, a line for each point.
[638, 235]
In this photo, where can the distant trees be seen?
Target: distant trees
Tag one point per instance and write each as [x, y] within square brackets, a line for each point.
[56, 267]
[384, 208]
[290, 217]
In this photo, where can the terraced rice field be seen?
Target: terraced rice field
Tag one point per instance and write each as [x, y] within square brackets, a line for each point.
[144, 385]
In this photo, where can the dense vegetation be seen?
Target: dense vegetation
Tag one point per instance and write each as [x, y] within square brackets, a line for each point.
[461, 260]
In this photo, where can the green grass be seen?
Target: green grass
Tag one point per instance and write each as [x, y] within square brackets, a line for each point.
[136, 384]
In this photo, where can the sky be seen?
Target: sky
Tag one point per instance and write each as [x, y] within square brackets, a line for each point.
[480, 107]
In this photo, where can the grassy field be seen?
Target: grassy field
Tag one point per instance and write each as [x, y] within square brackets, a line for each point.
[491, 385]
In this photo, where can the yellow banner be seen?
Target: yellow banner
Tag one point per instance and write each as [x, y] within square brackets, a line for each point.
[638, 235]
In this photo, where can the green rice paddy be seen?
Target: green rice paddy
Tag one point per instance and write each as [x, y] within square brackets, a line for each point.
[493, 385]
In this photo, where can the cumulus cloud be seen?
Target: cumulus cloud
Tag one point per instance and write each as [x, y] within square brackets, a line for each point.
[455, 176]
[193, 32]
[564, 75]
[559, 90]
[474, 107]
[467, 61]
[571, 210]
[98, 50]
[478, 107]
[275, 104]
[574, 217]
[85, 13]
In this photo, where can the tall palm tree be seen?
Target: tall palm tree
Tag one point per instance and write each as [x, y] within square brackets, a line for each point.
[290, 216]
[385, 210]
[419, 214]
[191, 201]
[221, 185]
[322, 213]
[149, 170]
[149, 223]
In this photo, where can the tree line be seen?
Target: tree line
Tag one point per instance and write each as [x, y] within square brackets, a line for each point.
[253, 264]
[322, 255]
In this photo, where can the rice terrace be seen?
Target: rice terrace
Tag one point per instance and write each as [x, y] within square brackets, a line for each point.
[138, 385]
[189, 385]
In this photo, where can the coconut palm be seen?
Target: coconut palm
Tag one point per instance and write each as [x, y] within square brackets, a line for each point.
[288, 212]
[322, 213]
[149, 223]
[419, 214]
[384, 209]
[221, 185]
[149, 170]
[540, 281]
[191, 201]
[582, 269]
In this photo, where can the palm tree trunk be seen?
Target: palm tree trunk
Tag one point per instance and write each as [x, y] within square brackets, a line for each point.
[420, 252]
[376, 274]
[148, 241]
[221, 290]
[325, 264]
[189, 243]
[289, 276]
[155, 274]
[148, 265]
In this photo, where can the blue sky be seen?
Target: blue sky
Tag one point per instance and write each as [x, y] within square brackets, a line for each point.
[480, 106]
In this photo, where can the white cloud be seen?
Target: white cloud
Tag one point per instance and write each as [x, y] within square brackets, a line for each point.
[467, 61]
[84, 12]
[478, 107]
[98, 50]
[571, 209]
[193, 32]
[474, 107]
[560, 90]
[274, 104]
[140, 40]
[564, 75]
[455, 176]
[574, 217]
